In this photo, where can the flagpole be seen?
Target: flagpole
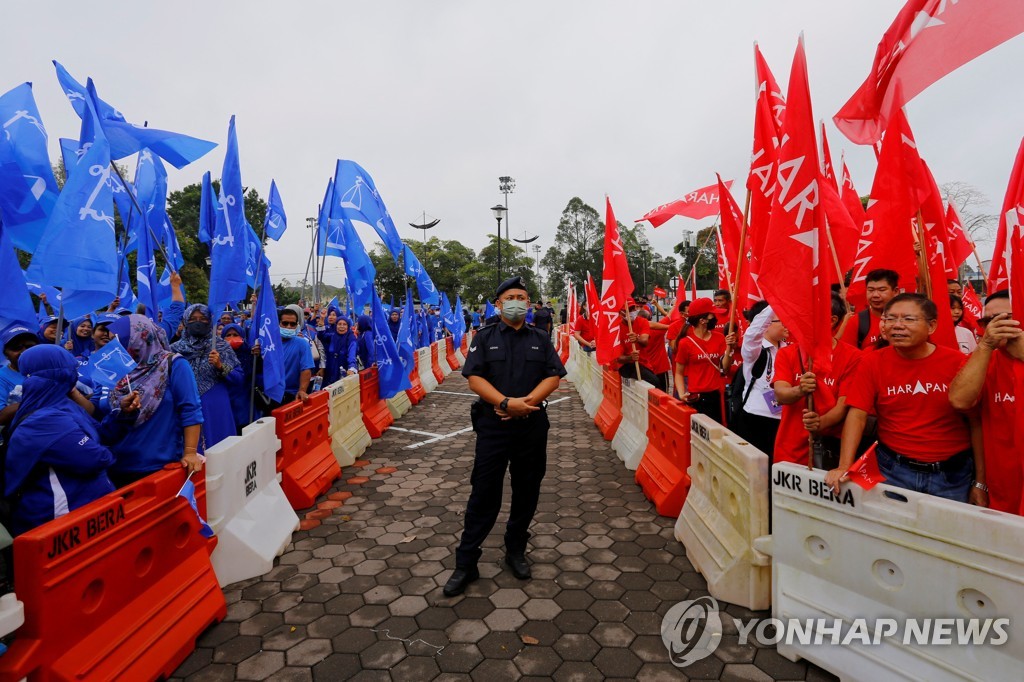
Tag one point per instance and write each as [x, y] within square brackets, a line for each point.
[924, 275]
[700, 250]
[163, 252]
[980, 266]
[629, 325]
[842, 284]
[256, 306]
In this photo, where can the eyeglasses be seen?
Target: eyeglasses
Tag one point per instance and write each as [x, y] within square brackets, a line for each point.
[902, 319]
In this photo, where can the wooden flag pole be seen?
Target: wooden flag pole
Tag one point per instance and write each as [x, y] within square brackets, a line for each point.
[812, 441]
[842, 284]
[924, 275]
[981, 267]
[629, 325]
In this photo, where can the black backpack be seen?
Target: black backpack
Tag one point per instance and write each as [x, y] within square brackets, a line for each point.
[739, 392]
[863, 326]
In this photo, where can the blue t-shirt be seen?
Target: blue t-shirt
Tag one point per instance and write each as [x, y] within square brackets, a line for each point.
[297, 357]
[9, 379]
[159, 440]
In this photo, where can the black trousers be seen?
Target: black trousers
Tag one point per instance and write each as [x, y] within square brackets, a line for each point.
[521, 447]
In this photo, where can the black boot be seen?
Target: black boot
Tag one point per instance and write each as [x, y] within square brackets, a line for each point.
[459, 580]
[520, 567]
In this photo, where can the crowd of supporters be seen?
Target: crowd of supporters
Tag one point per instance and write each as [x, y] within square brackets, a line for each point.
[937, 419]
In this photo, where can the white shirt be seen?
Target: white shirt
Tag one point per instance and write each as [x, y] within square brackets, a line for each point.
[753, 343]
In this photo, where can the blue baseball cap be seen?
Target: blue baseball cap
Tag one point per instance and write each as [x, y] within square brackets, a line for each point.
[15, 331]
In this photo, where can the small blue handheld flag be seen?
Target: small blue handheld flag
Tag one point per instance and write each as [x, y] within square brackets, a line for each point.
[110, 364]
[188, 491]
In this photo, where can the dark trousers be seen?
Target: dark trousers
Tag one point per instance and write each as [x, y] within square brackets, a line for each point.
[758, 431]
[521, 447]
[628, 371]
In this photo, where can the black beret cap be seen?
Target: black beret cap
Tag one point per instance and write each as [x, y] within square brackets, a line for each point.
[516, 282]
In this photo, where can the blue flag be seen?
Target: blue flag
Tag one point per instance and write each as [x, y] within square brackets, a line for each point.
[228, 251]
[207, 210]
[407, 331]
[447, 319]
[28, 190]
[358, 267]
[188, 491]
[77, 251]
[460, 323]
[110, 364]
[276, 222]
[489, 311]
[329, 239]
[151, 190]
[265, 330]
[358, 199]
[426, 334]
[253, 252]
[125, 138]
[15, 303]
[124, 289]
[146, 278]
[394, 378]
[425, 286]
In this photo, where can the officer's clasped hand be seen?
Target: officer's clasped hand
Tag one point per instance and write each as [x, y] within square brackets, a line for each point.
[517, 408]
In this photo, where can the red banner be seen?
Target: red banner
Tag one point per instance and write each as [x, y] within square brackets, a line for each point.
[700, 203]
[617, 285]
[927, 40]
[1010, 219]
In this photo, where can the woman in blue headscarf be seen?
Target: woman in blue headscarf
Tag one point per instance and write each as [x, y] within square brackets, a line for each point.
[340, 351]
[57, 455]
[395, 322]
[239, 383]
[212, 360]
[364, 348]
[80, 337]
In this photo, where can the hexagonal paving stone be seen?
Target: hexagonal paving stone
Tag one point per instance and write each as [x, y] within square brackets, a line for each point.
[508, 598]
[505, 619]
[576, 647]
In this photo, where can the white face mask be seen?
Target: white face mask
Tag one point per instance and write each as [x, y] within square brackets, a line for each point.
[513, 311]
[633, 314]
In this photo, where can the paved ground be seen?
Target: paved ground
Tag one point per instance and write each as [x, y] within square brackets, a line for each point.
[358, 595]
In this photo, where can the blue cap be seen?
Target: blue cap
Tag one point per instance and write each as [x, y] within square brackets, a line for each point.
[106, 318]
[13, 332]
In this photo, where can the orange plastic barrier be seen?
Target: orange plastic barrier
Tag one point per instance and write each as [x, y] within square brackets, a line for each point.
[416, 393]
[563, 354]
[376, 414]
[117, 589]
[305, 460]
[435, 363]
[609, 413]
[453, 361]
[662, 471]
[465, 343]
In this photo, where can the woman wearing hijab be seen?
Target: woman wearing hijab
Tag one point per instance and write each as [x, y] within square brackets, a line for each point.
[340, 351]
[170, 415]
[364, 348]
[394, 323]
[57, 455]
[48, 329]
[239, 383]
[80, 341]
[212, 361]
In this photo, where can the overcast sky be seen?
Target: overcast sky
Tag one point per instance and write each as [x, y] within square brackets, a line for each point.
[642, 101]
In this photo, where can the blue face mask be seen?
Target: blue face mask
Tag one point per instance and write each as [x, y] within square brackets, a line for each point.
[288, 332]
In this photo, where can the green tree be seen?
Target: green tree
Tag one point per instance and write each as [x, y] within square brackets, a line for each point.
[480, 276]
[443, 260]
[579, 239]
[705, 253]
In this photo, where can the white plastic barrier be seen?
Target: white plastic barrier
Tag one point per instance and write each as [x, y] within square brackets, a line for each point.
[349, 437]
[726, 514]
[427, 377]
[630, 438]
[593, 385]
[889, 553]
[399, 404]
[245, 504]
[12, 614]
[572, 364]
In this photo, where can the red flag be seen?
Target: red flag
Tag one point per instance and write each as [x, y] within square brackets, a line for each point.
[927, 40]
[934, 252]
[960, 245]
[769, 112]
[864, 472]
[794, 271]
[1010, 219]
[973, 310]
[616, 287]
[887, 238]
[827, 171]
[659, 292]
[850, 197]
[593, 300]
[728, 236]
[700, 203]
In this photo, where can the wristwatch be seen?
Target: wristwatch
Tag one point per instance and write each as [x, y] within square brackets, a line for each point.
[503, 405]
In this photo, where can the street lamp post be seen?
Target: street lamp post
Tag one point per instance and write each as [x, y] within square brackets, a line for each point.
[499, 213]
[506, 185]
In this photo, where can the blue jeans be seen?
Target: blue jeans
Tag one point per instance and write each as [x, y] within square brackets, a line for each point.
[954, 484]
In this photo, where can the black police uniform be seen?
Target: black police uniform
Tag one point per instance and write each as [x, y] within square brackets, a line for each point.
[514, 362]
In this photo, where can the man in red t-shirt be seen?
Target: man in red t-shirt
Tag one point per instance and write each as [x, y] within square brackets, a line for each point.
[583, 331]
[993, 377]
[654, 355]
[634, 342]
[793, 383]
[862, 331]
[923, 443]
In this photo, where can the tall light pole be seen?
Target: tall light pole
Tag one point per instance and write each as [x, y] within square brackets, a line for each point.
[506, 185]
[540, 287]
[499, 213]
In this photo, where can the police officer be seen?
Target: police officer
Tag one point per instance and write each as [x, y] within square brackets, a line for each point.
[513, 368]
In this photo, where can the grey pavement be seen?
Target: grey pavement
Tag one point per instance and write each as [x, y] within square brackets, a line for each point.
[358, 593]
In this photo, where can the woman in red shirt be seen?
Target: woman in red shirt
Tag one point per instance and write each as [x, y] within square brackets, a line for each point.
[703, 358]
